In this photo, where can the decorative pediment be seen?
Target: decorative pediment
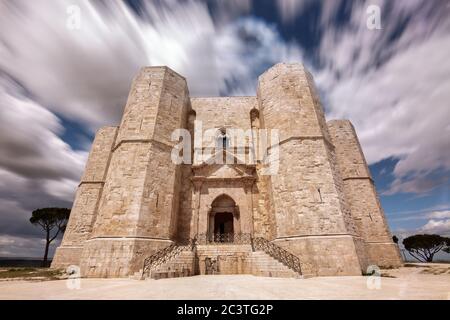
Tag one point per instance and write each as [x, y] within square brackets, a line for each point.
[230, 168]
[223, 156]
[222, 171]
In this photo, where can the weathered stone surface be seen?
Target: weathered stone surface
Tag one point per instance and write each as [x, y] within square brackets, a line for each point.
[85, 207]
[133, 201]
[362, 196]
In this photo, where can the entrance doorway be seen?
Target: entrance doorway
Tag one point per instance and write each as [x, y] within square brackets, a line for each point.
[223, 223]
[222, 219]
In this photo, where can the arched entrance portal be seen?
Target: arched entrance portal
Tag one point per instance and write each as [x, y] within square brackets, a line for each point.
[223, 223]
[223, 219]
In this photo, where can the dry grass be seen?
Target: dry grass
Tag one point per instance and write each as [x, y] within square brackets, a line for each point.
[437, 270]
[35, 274]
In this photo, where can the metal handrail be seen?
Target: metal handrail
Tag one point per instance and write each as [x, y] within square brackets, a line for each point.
[278, 253]
[224, 238]
[164, 255]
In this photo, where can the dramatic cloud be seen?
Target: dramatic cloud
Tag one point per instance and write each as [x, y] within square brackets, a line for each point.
[29, 138]
[85, 74]
[48, 70]
[11, 246]
[393, 84]
[37, 169]
[290, 9]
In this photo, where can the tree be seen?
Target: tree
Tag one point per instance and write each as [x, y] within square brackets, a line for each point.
[395, 239]
[423, 247]
[52, 220]
[447, 248]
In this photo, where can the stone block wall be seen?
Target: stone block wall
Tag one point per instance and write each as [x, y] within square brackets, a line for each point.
[139, 206]
[263, 209]
[326, 255]
[307, 190]
[362, 196]
[223, 113]
[133, 200]
[85, 207]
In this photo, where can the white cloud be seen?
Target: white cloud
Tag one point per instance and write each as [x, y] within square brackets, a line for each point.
[437, 222]
[11, 246]
[290, 9]
[37, 168]
[439, 214]
[441, 227]
[29, 138]
[85, 74]
[395, 92]
[62, 188]
[421, 215]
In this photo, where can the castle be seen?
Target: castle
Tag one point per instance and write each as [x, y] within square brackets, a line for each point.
[310, 210]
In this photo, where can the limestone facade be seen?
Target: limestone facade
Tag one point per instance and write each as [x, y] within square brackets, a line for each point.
[134, 200]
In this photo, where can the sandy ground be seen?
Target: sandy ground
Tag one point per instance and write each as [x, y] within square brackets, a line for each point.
[414, 282]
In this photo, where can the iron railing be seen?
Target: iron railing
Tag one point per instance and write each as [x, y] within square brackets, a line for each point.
[280, 254]
[164, 255]
[170, 252]
[224, 238]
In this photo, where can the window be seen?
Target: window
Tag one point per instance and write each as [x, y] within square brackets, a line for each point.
[319, 193]
[254, 119]
[316, 194]
[222, 141]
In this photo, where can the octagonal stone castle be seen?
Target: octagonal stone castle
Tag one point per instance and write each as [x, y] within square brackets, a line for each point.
[138, 212]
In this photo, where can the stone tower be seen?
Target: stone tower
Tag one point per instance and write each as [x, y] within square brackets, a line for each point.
[312, 216]
[360, 192]
[134, 202]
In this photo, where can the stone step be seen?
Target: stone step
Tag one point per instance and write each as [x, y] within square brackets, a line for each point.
[257, 263]
[268, 266]
[137, 275]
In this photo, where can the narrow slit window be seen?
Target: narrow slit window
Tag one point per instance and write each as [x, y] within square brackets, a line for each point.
[319, 193]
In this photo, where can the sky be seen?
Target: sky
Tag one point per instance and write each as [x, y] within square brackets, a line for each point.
[66, 69]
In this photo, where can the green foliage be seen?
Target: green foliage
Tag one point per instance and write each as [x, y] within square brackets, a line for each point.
[31, 274]
[423, 247]
[53, 221]
[51, 218]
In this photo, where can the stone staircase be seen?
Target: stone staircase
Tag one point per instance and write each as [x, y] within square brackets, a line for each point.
[264, 265]
[183, 265]
[223, 259]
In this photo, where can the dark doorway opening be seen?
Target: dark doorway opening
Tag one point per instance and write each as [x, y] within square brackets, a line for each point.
[223, 223]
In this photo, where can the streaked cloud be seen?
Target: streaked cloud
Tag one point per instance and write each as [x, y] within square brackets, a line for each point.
[48, 71]
[11, 246]
[85, 74]
[290, 9]
[393, 83]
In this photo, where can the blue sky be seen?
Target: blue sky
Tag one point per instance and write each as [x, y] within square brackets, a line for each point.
[58, 85]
